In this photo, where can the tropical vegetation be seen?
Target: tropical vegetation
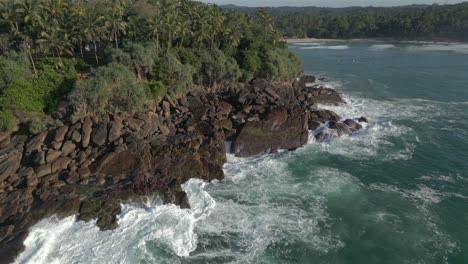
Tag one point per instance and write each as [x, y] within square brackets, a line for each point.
[428, 22]
[114, 55]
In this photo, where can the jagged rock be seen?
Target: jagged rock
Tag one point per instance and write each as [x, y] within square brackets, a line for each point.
[56, 145]
[9, 164]
[32, 181]
[166, 106]
[150, 153]
[76, 136]
[67, 148]
[61, 164]
[306, 81]
[86, 131]
[71, 177]
[39, 158]
[164, 130]
[341, 128]
[326, 96]
[353, 125]
[99, 135]
[313, 125]
[115, 129]
[322, 137]
[280, 130]
[224, 109]
[83, 172]
[35, 142]
[43, 170]
[25, 172]
[323, 116]
[184, 102]
[135, 124]
[73, 130]
[363, 119]
[60, 133]
[53, 155]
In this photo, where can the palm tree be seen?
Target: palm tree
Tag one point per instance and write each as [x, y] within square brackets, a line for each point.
[12, 16]
[57, 41]
[91, 28]
[154, 26]
[114, 21]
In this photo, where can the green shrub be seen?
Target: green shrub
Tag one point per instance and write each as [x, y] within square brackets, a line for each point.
[40, 95]
[13, 66]
[114, 88]
[139, 58]
[176, 75]
[250, 64]
[35, 126]
[216, 66]
[55, 83]
[24, 96]
[155, 90]
[280, 64]
[7, 120]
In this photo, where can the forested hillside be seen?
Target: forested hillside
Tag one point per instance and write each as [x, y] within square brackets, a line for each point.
[99, 56]
[444, 22]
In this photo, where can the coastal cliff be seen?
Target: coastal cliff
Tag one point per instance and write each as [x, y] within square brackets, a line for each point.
[88, 168]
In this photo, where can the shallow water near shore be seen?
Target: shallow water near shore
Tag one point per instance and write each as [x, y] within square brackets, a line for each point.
[395, 192]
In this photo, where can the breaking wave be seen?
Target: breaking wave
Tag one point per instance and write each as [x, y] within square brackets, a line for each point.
[457, 48]
[338, 47]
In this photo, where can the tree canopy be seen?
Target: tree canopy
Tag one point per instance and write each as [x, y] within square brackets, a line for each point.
[431, 22]
[157, 46]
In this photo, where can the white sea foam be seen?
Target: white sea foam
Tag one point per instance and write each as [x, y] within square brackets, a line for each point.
[338, 47]
[168, 226]
[308, 43]
[457, 48]
[422, 194]
[382, 46]
[261, 204]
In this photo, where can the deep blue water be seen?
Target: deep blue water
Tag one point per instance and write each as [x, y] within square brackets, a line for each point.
[395, 192]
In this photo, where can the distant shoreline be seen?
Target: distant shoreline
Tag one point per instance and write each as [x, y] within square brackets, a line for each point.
[315, 40]
[312, 40]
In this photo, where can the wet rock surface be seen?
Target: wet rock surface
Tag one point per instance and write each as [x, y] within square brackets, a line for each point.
[88, 168]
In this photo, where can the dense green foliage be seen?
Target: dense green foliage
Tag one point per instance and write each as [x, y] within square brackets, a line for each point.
[25, 97]
[155, 47]
[114, 89]
[417, 21]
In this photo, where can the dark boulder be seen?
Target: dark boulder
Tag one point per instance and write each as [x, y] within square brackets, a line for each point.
[363, 119]
[86, 130]
[323, 116]
[353, 125]
[341, 128]
[314, 125]
[99, 134]
[306, 81]
[281, 129]
[115, 130]
[326, 96]
[9, 164]
[60, 133]
[35, 142]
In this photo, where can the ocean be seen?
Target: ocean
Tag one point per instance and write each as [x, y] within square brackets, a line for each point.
[394, 192]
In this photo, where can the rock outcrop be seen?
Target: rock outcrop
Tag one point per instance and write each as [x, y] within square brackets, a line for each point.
[89, 167]
[282, 128]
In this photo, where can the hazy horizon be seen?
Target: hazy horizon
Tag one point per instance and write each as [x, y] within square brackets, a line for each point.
[325, 3]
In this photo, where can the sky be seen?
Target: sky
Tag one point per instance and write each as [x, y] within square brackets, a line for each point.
[328, 3]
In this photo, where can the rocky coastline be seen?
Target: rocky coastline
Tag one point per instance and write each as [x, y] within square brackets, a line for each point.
[88, 168]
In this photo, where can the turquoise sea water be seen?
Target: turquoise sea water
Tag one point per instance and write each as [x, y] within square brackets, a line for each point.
[395, 192]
